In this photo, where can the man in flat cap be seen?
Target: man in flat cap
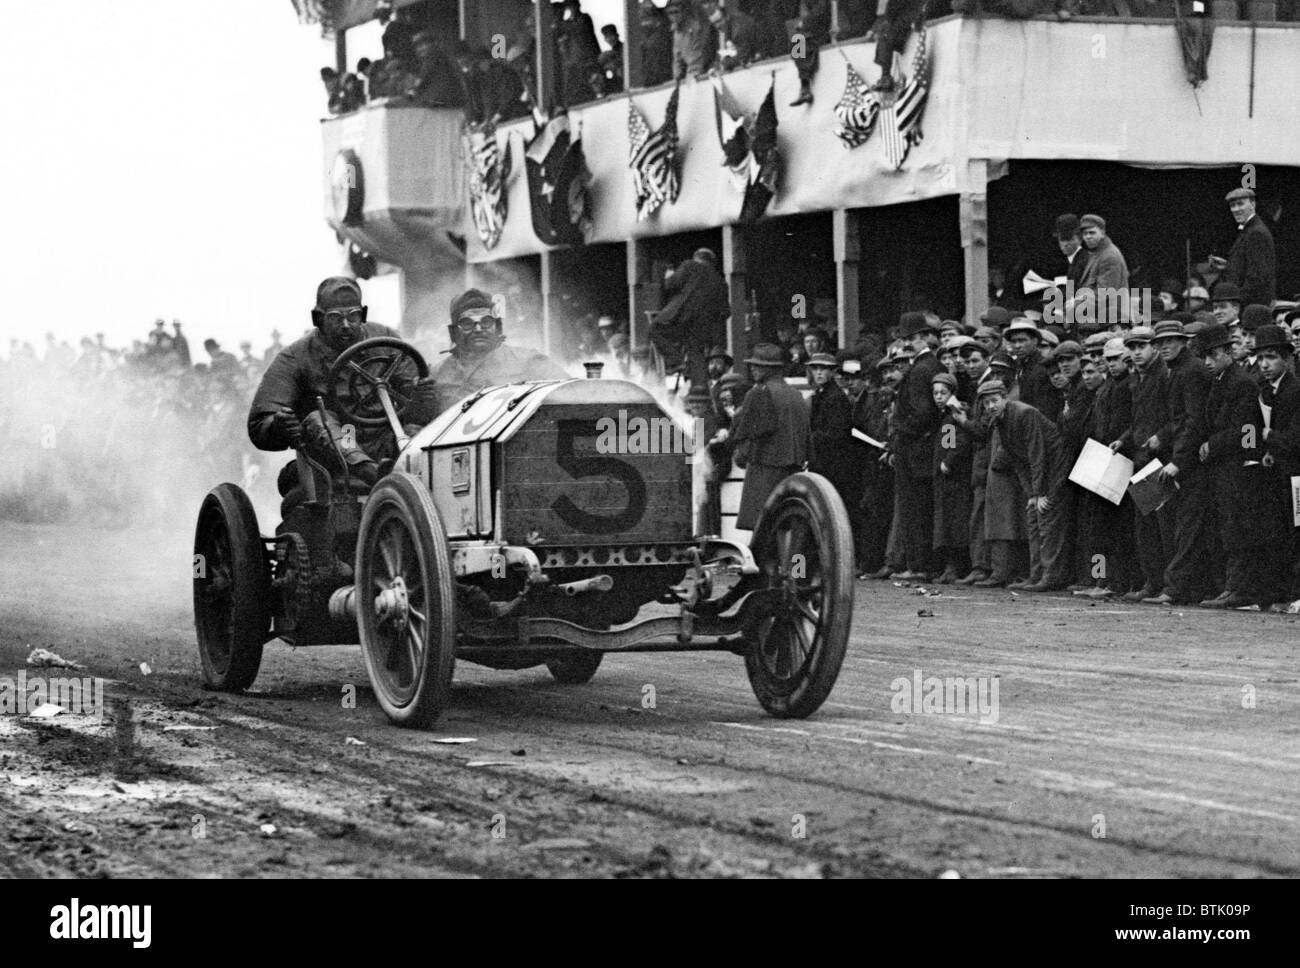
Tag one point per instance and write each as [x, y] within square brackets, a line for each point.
[284, 411]
[916, 421]
[1028, 445]
[1106, 275]
[871, 415]
[831, 451]
[1231, 454]
[1106, 529]
[1148, 438]
[1032, 383]
[1252, 262]
[480, 356]
[1279, 406]
[1188, 577]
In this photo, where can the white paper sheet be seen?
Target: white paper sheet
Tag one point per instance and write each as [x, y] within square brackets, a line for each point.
[1104, 473]
[879, 444]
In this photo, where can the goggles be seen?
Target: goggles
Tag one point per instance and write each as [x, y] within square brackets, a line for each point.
[354, 316]
[476, 319]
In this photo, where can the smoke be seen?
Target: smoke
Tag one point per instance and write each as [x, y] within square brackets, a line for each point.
[105, 444]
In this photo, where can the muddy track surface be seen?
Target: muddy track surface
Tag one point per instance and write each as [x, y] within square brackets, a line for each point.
[1121, 741]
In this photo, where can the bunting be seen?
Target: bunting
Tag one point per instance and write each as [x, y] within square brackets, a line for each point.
[767, 159]
[558, 179]
[749, 148]
[733, 134]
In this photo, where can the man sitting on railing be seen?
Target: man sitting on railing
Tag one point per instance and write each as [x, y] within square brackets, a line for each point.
[745, 38]
[489, 89]
[436, 83]
[695, 42]
[656, 45]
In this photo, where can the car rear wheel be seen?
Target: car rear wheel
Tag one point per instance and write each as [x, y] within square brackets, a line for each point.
[803, 545]
[406, 609]
[232, 590]
[576, 668]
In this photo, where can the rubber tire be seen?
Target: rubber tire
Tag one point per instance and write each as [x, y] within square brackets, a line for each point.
[830, 522]
[433, 686]
[251, 590]
[575, 669]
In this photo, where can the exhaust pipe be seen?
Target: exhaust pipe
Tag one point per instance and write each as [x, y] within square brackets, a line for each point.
[600, 583]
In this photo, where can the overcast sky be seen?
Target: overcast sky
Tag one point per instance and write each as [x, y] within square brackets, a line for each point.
[162, 159]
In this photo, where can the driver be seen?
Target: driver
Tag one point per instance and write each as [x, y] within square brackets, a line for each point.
[479, 356]
[284, 412]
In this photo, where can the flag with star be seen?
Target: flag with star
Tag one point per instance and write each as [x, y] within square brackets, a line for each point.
[653, 158]
[856, 112]
[558, 179]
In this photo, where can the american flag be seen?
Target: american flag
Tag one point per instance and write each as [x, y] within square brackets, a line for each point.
[487, 172]
[901, 127]
[653, 158]
[856, 113]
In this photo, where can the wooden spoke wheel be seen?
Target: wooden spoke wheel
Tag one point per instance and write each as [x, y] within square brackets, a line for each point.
[406, 612]
[232, 581]
[803, 545]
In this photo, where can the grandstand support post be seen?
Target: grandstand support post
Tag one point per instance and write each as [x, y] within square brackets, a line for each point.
[640, 295]
[845, 228]
[545, 44]
[633, 71]
[733, 270]
[341, 52]
[469, 21]
[974, 218]
[550, 339]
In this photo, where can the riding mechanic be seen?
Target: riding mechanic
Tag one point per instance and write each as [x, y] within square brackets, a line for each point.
[480, 356]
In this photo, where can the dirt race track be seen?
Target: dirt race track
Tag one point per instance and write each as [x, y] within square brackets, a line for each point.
[1129, 741]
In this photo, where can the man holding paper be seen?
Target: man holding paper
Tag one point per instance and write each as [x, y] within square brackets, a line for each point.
[1147, 439]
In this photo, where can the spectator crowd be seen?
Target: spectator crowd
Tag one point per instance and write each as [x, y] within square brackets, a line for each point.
[117, 436]
[952, 444]
[424, 63]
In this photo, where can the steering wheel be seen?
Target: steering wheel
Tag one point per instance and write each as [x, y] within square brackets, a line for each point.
[371, 380]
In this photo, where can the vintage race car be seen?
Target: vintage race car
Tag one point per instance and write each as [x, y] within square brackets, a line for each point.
[527, 525]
